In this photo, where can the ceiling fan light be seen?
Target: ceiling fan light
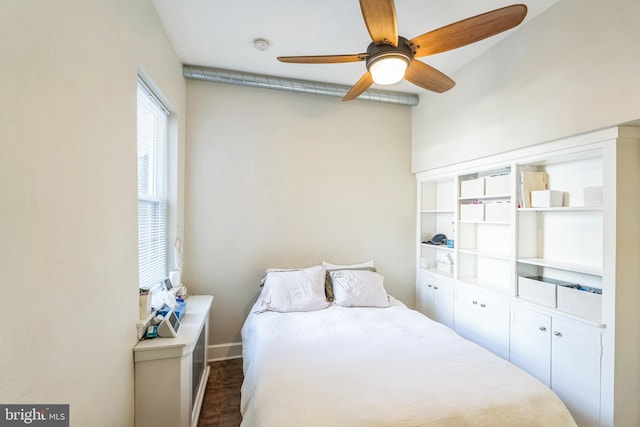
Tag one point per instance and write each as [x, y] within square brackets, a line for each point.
[388, 70]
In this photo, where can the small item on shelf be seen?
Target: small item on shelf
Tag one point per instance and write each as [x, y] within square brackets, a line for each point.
[451, 241]
[546, 199]
[145, 304]
[180, 308]
[472, 187]
[424, 263]
[496, 185]
[497, 211]
[445, 264]
[472, 212]
[438, 239]
[152, 332]
[531, 181]
[581, 301]
[445, 268]
[541, 290]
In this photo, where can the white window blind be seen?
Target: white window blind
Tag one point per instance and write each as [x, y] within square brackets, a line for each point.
[153, 120]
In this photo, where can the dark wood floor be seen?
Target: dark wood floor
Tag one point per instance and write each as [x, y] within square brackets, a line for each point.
[221, 403]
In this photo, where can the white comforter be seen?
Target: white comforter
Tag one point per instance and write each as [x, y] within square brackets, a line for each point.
[381, 367]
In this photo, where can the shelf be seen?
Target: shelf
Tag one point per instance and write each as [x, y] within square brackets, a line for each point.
[436, 211]
[578, 268]
[437, 272]
[482, 253]
[438, 247]
[485, 222]
[563, 209]
[485, 197]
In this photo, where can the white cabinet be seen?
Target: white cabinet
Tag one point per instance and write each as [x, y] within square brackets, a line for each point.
[434, 297]
[483, 319]
[575, 368]
[563, 354]
[171, 373]
[530, 344]
[590, 241]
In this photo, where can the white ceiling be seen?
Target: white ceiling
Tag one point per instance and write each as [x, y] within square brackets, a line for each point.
[220, 34]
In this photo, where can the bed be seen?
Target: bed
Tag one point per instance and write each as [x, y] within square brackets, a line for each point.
[373, 364]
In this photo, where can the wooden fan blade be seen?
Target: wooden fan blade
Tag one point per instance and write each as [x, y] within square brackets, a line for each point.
[427, 77]
[361, 85]
[324, 59]
[381, 21]
[469, 30]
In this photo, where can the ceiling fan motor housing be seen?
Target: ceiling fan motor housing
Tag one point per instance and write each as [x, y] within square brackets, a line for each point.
[377, 52]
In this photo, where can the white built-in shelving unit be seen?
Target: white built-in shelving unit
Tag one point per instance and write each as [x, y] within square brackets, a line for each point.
[580, 335]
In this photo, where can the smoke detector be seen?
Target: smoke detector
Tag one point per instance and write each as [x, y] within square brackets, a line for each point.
[261, 44]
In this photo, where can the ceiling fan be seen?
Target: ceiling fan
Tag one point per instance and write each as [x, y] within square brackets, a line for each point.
[390, 57]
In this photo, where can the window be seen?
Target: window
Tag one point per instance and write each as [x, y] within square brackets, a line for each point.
[153, 119]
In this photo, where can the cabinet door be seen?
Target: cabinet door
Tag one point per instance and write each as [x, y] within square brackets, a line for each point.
[483, 319]
[424, 294]
[465, 313]
[530, 343]
[576, 351]
[443, 301]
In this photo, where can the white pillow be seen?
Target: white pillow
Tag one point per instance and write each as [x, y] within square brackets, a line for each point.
[359, 288]
[330, 266]
[270, 270]
[295, 290]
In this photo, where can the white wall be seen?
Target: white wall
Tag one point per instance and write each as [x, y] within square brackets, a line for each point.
[68, 218]
[570, 70]
[277, 179]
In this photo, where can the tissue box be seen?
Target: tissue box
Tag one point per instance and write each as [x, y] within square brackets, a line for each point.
[497, 185]
[546, 199]
[472, 212]
[472, 187]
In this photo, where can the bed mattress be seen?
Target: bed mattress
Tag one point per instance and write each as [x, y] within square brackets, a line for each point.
[381, 367]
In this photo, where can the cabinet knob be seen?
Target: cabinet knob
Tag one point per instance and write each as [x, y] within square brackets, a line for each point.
[483, 305]
[429, 285]
[435, 287]
[542, 328]
[475, 302]
[557, 333]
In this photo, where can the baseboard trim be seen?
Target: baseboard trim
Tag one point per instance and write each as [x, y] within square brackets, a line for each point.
[226, 351]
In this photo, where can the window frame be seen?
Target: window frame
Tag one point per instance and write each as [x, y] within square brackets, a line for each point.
[154, 201]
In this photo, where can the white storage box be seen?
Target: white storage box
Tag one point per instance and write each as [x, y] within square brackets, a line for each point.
[546, 199]
[472, 188]
[497, 211]
[592, 196]
[497, 185]
[582, 303]
[472, 212]
[535, 290]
